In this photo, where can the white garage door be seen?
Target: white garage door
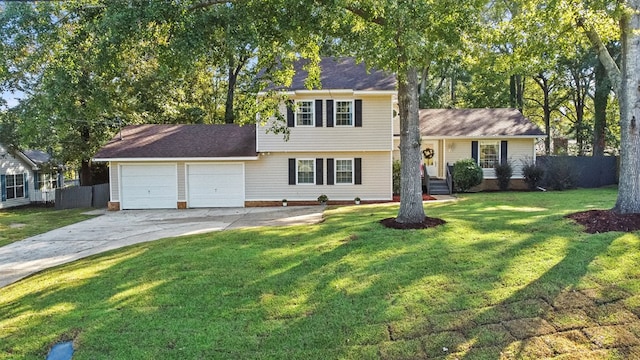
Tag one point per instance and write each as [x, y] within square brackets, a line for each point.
[215, 185]
[148, 187]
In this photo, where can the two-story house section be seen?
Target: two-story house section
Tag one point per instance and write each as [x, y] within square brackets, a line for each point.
[340, 138]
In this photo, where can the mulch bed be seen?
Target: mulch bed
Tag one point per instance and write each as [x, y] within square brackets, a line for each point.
[600, 221]
[427, 223]
[425, 197]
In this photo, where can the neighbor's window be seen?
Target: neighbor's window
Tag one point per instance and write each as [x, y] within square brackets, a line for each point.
[304, 113]
[15, 186]
[48, 181]
[344, 171]
[344, 113]
[306, 171]
[489, 154]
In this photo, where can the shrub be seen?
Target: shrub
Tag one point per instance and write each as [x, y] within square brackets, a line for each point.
[503, 174]
[396, 177]
[532, 173]
[560, 174]
[466, 174]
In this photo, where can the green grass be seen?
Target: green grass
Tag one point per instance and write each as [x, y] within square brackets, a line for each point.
[23, 222]
[506, 277]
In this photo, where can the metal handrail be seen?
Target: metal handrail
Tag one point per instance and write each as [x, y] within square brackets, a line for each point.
[449, 180]
[425, 179]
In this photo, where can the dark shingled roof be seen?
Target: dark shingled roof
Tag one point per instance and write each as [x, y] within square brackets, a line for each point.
[37, 156]
[181, 141]
[476, 123]
[344, 73]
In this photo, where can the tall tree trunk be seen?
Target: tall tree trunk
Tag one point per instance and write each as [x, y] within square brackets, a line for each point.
[411, 208]
[229, 116]
[86, 178]
[516, 92]
[600, 102]
[629, 184]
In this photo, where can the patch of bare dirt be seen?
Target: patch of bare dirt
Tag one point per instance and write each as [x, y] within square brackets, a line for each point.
[600, 221]
[426, 224]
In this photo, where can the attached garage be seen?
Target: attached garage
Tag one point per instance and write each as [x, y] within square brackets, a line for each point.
[148, 186]
[215, 185]
[178, 166]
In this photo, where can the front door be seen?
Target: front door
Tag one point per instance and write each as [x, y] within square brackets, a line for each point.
[430, 157]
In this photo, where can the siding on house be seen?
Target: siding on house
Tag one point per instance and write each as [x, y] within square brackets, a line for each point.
[114, 180]
[267, 179]
[182, 181]
[452, 150]
[518, 151]
[12, 165]
[374, 135]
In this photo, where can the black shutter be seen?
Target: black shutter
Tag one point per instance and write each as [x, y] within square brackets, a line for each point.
[318, 113]
[503, 152]
[358, 114]
[474, 151]
[357, 164]
[292, 171]
[329, 113]
[291, 121]
[330, 176]
[319, 173]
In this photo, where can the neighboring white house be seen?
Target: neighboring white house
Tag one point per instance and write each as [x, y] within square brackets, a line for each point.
[23, 178]
[341, 144]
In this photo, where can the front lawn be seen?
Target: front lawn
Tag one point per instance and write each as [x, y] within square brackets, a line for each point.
[23, 222]
[506, 277]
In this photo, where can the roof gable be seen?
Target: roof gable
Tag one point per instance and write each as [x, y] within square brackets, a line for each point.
[343, 73]
[476, 123]
[181, 141]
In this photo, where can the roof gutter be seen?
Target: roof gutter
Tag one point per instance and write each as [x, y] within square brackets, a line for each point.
[143, 159]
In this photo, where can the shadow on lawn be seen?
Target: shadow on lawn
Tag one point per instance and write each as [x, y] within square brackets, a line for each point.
[348, 288]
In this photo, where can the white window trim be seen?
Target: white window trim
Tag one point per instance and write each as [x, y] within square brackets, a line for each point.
[313, 161]
[14, 187]
[335, 113]
[313, 113]
[489, 142]
[335, 171]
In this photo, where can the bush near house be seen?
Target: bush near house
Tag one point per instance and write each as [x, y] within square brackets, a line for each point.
[561, 174]
[466, 174]
[532, 173]
[504, 172]
[396, 176]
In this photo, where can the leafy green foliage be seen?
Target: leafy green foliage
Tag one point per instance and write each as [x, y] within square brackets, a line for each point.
[504, 172]
[532, 173]
[397, 167]
[466, 174]
[560, 174]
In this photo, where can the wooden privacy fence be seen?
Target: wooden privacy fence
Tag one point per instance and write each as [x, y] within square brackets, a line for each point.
[82, 197]
[587, 171]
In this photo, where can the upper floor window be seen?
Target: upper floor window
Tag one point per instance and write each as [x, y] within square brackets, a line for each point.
[344, 113]
[304, 113]
[15, 186]
[344, 171]
[489, 154]
[305, 170]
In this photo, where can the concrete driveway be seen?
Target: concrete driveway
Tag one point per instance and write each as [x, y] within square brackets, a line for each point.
[114, 230]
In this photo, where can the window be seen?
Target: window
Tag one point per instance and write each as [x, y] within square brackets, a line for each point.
[344, 113]
[489, 154]
[15, 186]
[306, 171]
[344, 171]
[47, 181]
[304, 113]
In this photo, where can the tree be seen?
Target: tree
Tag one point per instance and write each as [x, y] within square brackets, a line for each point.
[625, 81]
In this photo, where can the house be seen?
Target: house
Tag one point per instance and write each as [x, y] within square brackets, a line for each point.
[341, 144]
[489, 136]
[27, 176]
